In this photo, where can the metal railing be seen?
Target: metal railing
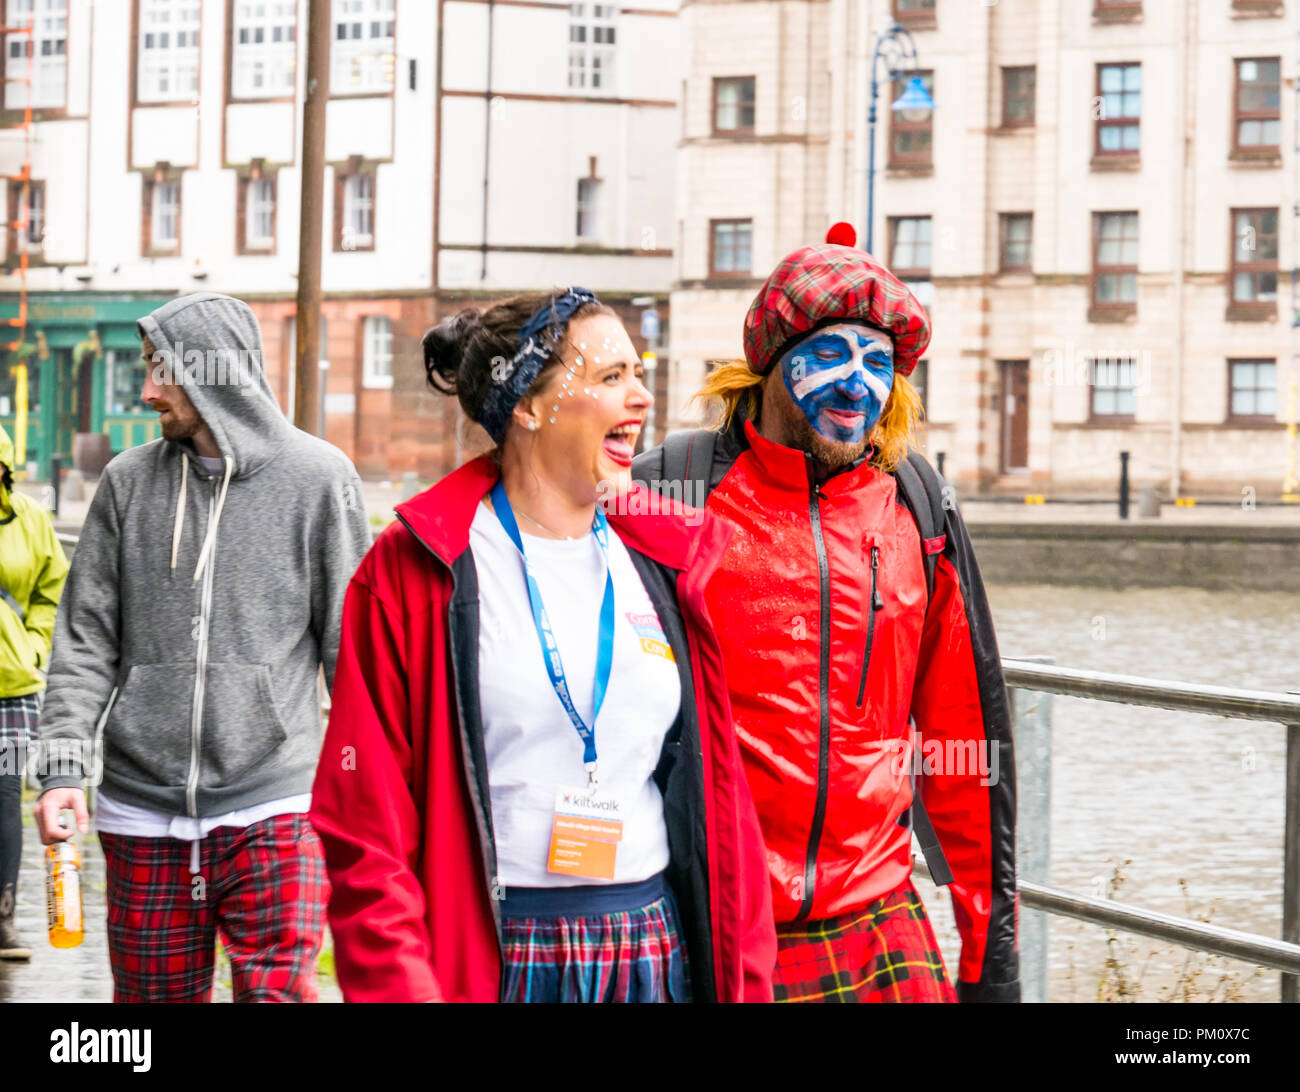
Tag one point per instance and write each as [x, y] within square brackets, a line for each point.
[1124, 492]
[1028, 683]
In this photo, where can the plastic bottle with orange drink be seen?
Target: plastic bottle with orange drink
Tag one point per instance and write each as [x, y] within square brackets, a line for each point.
[63, 905]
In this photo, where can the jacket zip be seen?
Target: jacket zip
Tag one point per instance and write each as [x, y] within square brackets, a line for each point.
[201, 670]
[823, 693]
[876, 604]
[488, 851]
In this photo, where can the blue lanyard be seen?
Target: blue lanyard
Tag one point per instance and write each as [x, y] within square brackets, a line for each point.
[546, 637]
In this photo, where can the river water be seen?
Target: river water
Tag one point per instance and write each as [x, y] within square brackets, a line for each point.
[1189, 808]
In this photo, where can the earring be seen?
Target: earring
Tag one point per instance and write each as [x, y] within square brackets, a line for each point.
[533, 426]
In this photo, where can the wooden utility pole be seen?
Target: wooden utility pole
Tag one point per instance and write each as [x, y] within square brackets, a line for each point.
[308, 394]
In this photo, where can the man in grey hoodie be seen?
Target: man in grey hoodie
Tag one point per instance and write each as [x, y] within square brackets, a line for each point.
[205, 594]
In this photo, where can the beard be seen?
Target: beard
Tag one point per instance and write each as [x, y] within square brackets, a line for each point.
[830, 453]
[178, 429]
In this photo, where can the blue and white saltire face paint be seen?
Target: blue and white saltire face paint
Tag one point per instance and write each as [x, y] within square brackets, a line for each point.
[840, 379]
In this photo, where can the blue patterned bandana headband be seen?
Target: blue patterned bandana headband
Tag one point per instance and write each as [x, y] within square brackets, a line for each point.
[512, 378]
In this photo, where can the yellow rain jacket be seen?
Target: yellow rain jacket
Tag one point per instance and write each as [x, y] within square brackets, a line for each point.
[33, 568]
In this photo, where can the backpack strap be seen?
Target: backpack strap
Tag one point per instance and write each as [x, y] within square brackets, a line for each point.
[676, 456]
[928, 839]
[685, 452]
[934, 488]
[922, 491]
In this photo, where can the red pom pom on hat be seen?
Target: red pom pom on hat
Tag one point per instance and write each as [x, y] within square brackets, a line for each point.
[842, 234]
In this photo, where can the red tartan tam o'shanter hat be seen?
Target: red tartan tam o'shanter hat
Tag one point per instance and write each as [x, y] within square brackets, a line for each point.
[827, 283]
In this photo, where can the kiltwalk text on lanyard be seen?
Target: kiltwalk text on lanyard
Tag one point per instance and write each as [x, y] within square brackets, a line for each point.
[546, 636]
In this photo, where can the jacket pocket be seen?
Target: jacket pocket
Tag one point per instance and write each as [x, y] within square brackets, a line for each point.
[241, 726]
[149, 725]
[17, 655]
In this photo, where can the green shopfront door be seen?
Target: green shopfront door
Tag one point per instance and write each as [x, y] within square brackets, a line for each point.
[84, 374]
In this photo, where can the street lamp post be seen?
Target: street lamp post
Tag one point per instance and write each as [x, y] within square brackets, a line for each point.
[895, 45]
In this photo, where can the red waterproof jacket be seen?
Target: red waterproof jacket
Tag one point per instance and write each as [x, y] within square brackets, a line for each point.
[401, 795]
[822, 695]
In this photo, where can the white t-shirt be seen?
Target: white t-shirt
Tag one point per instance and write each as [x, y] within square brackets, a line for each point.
[213, 464]
[115, 817]
[532, 747]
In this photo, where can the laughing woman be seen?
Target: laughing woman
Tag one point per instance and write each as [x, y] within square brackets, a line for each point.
[530, 789]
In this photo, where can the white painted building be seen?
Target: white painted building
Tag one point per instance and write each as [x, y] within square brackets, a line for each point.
[164, 155]
[577, 138]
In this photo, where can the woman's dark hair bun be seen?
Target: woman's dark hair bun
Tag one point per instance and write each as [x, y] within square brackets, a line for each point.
[444, 349]
[462, 350]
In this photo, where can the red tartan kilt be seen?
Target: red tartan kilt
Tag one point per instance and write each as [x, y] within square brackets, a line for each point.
[885, 952]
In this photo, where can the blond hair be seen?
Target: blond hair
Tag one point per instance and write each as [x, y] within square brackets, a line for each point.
[733, 386]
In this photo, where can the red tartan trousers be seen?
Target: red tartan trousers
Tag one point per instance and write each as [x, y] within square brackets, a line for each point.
[262, 888]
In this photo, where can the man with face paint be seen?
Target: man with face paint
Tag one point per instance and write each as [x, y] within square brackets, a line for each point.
[863, 669]
[839, 380]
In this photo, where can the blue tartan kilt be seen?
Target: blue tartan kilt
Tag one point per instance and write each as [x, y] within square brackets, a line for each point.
[606, 952]
[18, 720]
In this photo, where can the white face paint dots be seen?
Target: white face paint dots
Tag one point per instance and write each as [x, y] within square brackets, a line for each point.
[611, 348]
[570, 376]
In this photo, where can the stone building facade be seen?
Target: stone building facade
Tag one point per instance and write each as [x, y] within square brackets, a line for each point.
[1098, 214]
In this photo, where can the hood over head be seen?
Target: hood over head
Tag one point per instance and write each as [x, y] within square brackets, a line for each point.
[212, 346]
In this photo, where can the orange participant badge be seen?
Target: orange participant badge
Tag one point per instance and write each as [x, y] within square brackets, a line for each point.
[585, 834]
